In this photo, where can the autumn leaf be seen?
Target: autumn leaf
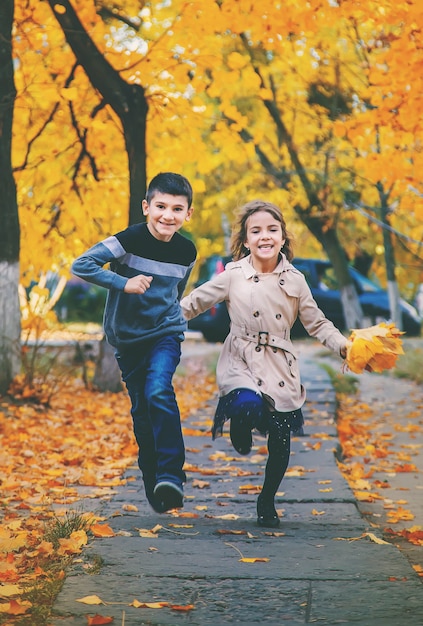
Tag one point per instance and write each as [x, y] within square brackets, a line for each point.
[148, 605]
[102, 530]
[375, 539]
[418, 569]
[181, 525]
[98, 620]
[182, 607]
[74, 543]
[250, 489]
[200, 484]
[374, 349]
[10, 590]
[414, 534]
[130, 507]
[90, 600]
[15, 607]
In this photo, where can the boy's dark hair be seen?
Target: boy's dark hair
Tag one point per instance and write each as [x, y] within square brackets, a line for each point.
[173, 184]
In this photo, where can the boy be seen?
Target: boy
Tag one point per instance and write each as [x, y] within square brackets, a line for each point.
[150, 264]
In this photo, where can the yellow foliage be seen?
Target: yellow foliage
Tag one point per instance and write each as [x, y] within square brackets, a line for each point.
[69, 154]
[374, 349]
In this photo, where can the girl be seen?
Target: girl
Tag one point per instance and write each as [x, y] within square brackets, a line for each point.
[257, 371]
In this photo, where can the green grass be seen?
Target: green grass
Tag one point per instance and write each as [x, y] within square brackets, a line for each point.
[342, 383]
[410, 365]
[43, 592]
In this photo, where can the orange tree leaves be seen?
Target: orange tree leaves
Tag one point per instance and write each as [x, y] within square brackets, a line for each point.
[333, 75]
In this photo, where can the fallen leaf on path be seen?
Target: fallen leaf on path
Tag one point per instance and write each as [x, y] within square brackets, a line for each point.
[90, 600]
[102, 530]
[148, 605]
[375, 539]
[181, 525]
[200, 484]
[399, 515]
[182, 607]
[250, 489]
[418, 569]
[98, 620]
[130, 507]
[414, 534]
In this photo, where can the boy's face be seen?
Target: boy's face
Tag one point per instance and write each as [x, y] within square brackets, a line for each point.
[166, 214]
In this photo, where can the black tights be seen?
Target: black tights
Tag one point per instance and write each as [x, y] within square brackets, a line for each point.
[279, 446]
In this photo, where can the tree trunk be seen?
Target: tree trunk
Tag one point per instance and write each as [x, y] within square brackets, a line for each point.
[350, 303]
[130, 105]
[316, 221]
[393, 291]
[107, 375]
[9, 233]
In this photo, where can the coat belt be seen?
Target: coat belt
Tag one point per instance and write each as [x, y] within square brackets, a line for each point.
[264, 338]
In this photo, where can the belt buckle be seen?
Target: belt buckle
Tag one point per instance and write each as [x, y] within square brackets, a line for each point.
[259, 339]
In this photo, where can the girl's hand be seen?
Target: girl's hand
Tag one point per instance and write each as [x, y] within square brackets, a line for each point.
[138, 284]
[343, 351]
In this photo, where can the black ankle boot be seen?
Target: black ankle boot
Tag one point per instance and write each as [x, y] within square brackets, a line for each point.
[266, 513]
[240, 433]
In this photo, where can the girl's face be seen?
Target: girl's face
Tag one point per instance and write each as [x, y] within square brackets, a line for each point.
[264, 238]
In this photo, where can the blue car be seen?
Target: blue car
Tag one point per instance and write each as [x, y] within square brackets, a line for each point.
[374, 301]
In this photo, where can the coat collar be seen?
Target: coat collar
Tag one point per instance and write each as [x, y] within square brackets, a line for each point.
[249, 271]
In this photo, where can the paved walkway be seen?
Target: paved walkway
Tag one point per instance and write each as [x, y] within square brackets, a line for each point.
[314, 573]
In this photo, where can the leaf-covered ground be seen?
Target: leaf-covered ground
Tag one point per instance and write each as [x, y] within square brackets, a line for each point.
[51, 459]
[380, 431]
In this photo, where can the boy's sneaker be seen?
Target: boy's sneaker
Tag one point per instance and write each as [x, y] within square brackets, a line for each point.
[168, 496]
[149, 494]
[240, 433]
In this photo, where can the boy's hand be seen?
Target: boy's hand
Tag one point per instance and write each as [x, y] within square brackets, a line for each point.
[138, 284]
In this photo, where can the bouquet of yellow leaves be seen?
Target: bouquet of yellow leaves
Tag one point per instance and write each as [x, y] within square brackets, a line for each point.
[374, 349]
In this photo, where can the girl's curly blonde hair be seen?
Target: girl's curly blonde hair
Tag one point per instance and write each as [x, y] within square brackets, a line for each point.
[239, 230]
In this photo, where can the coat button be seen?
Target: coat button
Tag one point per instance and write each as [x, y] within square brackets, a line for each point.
[290, 362]
[281, 282]
[281, 384]
[258, 349]
[256, 313]
[278, 316]
[259, 383]
[274, 350]
[256, 279]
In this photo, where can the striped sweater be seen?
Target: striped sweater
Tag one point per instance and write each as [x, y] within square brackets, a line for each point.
[132, 319]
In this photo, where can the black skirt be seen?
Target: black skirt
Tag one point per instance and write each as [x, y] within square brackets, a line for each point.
[261, 414]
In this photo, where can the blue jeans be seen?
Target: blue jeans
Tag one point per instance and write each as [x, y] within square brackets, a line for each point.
[147, 372]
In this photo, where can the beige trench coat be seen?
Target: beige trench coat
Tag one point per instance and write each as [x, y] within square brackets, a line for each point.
[258, 353]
